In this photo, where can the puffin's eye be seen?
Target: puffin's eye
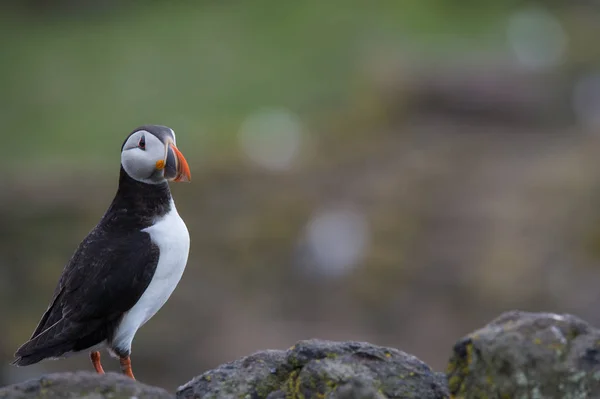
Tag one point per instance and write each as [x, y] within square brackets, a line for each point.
[142, 143]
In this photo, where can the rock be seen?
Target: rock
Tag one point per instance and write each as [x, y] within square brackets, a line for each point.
[528, 355]
[321, 369]
[82, 385]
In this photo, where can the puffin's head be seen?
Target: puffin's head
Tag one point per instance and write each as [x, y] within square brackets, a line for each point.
[149, 155]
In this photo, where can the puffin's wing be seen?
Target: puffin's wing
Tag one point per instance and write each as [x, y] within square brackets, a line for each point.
[105, 277]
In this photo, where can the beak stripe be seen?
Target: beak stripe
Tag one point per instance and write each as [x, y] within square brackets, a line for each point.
[183, 169]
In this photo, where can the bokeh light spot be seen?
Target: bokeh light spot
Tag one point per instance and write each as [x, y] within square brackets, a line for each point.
[272, 138]
[337, 240]
[537, 38]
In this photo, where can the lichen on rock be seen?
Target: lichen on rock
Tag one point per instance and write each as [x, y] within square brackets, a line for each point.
[527, 355]
[321, 369]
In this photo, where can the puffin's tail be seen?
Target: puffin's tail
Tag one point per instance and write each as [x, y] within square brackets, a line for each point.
[62, 337]
[49, 343]
[32, 359]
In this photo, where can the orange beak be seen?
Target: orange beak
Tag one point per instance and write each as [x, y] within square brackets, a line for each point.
[183, 169]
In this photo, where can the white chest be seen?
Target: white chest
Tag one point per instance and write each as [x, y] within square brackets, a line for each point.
[171, 236]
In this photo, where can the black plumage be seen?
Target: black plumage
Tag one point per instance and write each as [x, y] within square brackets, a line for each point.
[105, 277]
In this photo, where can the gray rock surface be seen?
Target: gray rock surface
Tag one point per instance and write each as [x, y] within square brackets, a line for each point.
[517, 355]
[528, 355]
[83, 385]
[321, 369]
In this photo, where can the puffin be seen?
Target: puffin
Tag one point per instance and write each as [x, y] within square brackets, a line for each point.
[127, 267]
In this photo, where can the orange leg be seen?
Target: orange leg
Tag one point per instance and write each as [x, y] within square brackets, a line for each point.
[126, 367]
[95, 356]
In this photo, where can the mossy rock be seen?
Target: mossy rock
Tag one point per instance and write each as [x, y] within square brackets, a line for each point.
[82, 385]
[527, 355]
[321, 369]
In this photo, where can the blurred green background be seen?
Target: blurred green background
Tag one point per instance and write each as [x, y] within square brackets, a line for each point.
[396, 172]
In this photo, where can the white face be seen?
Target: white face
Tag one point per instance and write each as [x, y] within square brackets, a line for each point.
[141, 157]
